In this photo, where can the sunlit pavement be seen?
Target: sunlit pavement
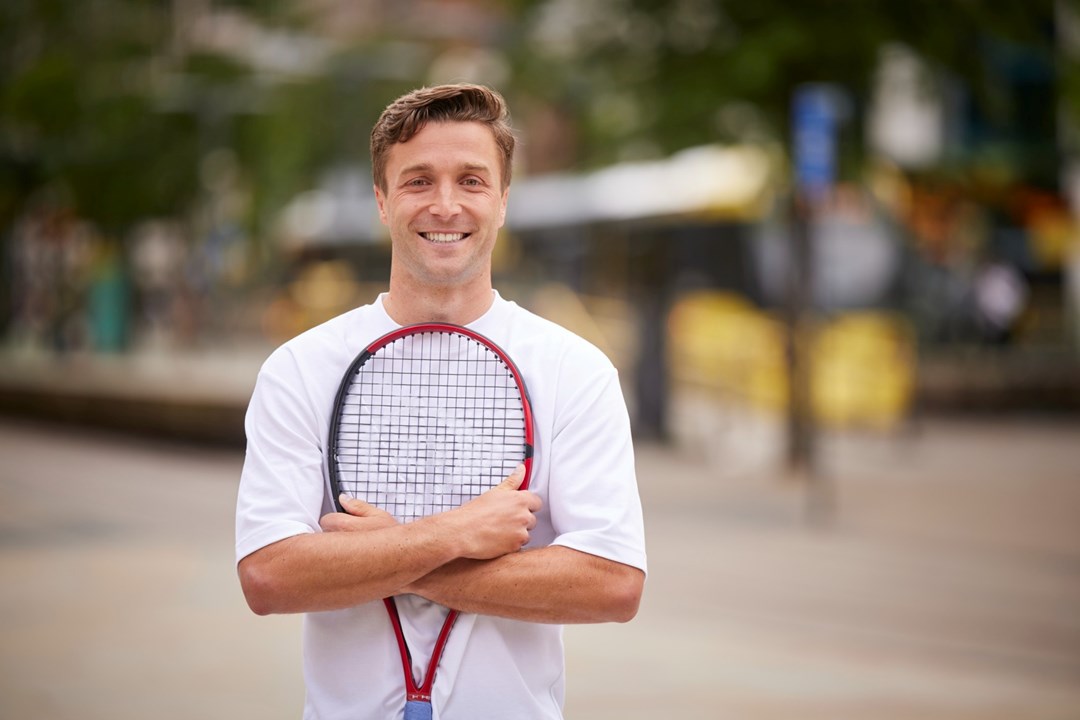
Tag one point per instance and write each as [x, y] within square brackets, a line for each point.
[943, 584]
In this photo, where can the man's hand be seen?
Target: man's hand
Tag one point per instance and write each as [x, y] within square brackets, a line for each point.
[493, 524]
[359, 516]
[496, 523]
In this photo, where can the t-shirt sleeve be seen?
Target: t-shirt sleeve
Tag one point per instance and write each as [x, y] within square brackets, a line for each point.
[282, 483]
[593, 495]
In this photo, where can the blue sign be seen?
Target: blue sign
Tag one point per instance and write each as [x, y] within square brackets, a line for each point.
[816, 114]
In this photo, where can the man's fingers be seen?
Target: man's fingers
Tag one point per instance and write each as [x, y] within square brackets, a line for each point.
[334, 522]
[356, 506]
[357, 515]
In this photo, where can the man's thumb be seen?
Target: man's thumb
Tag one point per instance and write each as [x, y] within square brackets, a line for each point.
[514, 480]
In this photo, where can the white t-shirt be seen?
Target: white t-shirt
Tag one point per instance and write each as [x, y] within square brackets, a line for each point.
[583, 469]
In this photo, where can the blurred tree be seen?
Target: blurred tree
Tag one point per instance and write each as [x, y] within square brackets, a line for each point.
[109, 108]
[648, 77]
[110, 111]
[78, 115]
[112, 105]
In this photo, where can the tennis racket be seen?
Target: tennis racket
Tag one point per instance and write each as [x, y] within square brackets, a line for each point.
[427, 418]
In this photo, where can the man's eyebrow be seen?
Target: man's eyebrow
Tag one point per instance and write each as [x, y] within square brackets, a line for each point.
[423, 167]
[418, 167]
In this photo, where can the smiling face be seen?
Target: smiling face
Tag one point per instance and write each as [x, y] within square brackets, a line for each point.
[444, 204]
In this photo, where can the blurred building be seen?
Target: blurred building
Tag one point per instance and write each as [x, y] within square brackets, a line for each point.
[945, 270]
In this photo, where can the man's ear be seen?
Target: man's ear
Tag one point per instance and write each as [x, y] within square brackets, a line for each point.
[380, 200]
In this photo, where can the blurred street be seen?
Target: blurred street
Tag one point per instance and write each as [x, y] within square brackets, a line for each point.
[944, 583]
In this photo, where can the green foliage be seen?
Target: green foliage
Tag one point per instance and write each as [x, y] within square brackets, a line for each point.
[98, 104]
[78, 115]
[668, 74]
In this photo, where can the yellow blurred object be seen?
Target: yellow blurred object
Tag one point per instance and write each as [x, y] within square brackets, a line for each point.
[324, 289]
[1051, 236]
[719, 341]
[321, 290]
[863, 370]
[862, 364]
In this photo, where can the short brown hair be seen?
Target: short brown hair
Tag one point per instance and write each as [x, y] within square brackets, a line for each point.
[463, 102]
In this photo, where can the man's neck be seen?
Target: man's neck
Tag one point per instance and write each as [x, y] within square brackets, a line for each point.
[451, 306]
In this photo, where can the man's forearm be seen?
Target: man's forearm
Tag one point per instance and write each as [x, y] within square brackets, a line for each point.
[330, 571]
[367, 555]
[552, 585]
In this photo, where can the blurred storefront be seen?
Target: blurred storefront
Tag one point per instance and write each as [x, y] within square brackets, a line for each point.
[678, 270]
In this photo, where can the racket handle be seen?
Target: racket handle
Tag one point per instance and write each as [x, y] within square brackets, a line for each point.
[417, 710]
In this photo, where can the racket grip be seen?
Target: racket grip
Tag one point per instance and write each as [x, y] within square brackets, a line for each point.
[417, 710]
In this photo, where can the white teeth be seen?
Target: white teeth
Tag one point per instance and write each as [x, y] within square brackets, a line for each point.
[444, 237]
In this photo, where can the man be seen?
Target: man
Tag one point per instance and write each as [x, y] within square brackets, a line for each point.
[441, 164]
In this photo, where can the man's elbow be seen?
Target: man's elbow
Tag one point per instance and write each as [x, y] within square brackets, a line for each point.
[626, 595]
[260, 586]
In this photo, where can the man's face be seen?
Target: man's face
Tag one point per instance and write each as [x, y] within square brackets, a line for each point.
[444, 204]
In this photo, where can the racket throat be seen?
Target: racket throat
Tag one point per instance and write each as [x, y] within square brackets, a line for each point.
[419, 696]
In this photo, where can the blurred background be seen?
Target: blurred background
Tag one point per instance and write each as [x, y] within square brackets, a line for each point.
[832, 247]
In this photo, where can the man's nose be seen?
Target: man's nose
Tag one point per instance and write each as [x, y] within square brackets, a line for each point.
[445, 202]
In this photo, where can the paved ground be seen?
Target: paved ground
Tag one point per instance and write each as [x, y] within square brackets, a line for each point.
[945, 585]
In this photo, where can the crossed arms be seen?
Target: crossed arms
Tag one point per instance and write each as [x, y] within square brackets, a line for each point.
[469, 558]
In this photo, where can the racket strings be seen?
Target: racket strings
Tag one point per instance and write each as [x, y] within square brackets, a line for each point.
[427, 423]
